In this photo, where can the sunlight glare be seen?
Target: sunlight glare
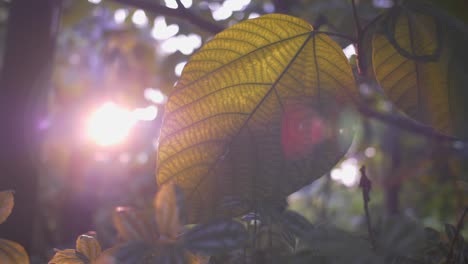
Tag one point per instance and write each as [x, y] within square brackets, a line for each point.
[349, 51]
[186, 44]
[154, 95]
[173, 4]
[148, 113]
[139, 18]
[120, 15]
[179, 68]
[94, 1]
[162, 31]
[110, 124]
[347, 172]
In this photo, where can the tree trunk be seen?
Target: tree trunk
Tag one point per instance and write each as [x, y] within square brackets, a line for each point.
[29, 48]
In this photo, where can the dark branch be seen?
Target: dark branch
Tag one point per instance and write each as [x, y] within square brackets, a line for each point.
[366, 185]
[179, 4]
[356, 19]
[180, 12]
[405, 123]
[457, 234]
[282, 6]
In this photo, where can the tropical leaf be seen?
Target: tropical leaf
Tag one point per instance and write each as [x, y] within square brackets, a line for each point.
[133, 225]
[170, 211]
[214, 238]
[255, 116]
[12, 253]
[417, 62]
[89, 246]
[6, 204]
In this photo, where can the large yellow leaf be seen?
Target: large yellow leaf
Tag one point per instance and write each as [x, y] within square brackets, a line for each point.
[415, 59]
[255, 116]
[12, 253]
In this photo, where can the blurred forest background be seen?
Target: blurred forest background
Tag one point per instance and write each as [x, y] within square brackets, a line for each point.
[94, 76]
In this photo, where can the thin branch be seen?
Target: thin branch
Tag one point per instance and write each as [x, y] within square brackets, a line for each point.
[180, 12]
[457, 234]
[365, 184]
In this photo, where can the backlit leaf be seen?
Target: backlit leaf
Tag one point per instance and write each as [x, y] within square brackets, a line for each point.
[89, 246]
[12, 253]
[215, 238]
[420, 66]
[255, 116]
[170, 211]
[6, 204]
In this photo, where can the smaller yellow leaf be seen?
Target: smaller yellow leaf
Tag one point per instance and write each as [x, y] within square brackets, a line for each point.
[68, 256]
[12, 252]
[89, 246]
[6, 204]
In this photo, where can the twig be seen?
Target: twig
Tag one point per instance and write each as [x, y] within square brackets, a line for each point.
[180, 12]
[365, 184]
[457, 233]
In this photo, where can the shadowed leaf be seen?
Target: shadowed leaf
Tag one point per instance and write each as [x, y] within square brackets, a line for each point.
[215, 238]
[133, 225]
[88, 246]
[69, 256]
[134, 252]
[170, 210]
[12, 253]
[296, 223]
[6, 204]
[255, 116]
